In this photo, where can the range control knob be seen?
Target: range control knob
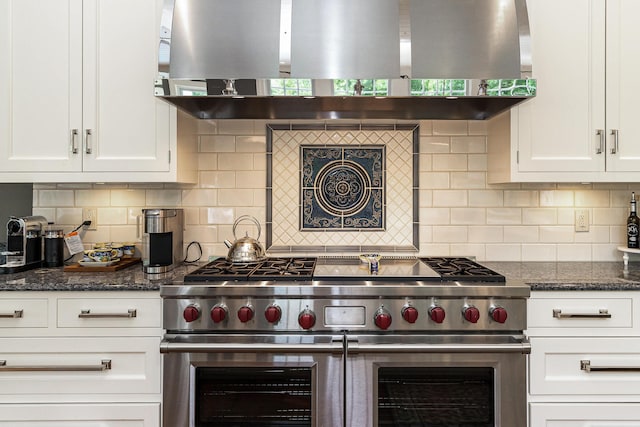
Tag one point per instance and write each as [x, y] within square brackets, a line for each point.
[410, 313]
[382, 318]
[471, 314]
[273, 313]
[191, 313]
[437, 313]
[498, 314]
[218, 313]
[306, 319]
[245, 313]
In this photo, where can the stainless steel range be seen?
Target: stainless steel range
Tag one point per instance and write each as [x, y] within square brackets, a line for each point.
[329, 342]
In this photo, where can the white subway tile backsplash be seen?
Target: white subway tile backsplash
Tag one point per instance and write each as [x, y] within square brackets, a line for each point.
[449, 162]
[450, 127]
[54, 198]
[163, 198]
[127, 197]
[459, 213]
[470, 180]
[469, 144]
[451, 198]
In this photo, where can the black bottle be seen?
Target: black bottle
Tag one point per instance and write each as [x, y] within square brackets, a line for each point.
[633, 224]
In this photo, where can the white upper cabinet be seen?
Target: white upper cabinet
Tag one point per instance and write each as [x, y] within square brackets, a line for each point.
[76, 93]
[584, 55]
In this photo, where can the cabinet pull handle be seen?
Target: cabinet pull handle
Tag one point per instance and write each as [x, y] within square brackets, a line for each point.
[603, 313]
[74, 142]
[87, 147]
[614, 149]
[86, 314]
[103, 366]
[17, 314]
[585, 365]
[600, 148]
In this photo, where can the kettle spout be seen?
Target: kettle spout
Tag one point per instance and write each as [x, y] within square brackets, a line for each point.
[228, 244]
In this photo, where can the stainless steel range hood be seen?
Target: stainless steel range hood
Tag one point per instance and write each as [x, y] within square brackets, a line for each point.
[337, 59]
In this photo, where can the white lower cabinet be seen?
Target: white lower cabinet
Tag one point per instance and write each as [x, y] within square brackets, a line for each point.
[89, 359]
[94, 415]
[584, 415]
[584, 367]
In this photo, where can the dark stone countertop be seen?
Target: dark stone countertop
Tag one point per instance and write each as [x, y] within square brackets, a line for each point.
[55, 279]
[541, 276]
[571, 276]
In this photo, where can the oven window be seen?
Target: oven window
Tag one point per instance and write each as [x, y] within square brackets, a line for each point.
[234, 397]
[436, 397]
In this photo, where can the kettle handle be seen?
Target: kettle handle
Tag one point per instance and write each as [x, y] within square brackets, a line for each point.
[246, 217]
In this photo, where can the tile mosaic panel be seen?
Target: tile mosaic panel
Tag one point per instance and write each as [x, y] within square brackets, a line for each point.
[285, 185]
[342, 188]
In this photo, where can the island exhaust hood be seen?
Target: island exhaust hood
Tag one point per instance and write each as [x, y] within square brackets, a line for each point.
[337, 59]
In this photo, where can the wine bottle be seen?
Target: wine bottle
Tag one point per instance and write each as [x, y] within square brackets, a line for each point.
[633, 225]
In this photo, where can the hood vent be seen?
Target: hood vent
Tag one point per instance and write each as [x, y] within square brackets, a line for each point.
[336, 59]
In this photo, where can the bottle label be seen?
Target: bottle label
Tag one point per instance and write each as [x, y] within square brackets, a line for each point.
[632, 235]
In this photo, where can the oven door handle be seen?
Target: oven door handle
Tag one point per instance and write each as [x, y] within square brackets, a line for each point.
[179, 347]
[524, 347]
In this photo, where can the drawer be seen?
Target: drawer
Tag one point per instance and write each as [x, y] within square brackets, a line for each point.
[23, 313]
[580, 313]
[81, 415]
[584, 415]
[79, 366]
[584, 366]
[109, 313]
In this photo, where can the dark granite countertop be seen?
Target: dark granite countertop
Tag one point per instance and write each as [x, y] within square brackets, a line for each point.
[55, 279]
[541, 276]
[571, 276]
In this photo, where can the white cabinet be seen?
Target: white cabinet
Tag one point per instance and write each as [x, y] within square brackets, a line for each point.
[76, 93]
[582, 125]
[94, 356]
[120, 415]
[584, 366]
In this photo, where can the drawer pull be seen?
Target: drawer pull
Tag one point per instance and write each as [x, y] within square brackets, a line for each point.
[585, 365]
[86, 314]
[103, 366]
[603, 313]
[17, 314]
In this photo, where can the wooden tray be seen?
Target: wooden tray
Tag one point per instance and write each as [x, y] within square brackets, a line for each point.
[123, 263]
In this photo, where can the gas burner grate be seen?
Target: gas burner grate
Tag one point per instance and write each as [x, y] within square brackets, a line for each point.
[460, 268]
[268, 269]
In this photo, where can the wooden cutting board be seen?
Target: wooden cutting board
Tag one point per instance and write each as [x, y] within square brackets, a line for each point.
[123, 263]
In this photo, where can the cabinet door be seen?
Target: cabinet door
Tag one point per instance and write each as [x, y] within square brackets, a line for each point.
[129, 127]
[623, 62]
[557, 130]
[40, 85]
[97, 415]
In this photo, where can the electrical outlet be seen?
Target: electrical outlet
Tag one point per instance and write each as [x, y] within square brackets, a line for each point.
[90, 214]
[582, 219]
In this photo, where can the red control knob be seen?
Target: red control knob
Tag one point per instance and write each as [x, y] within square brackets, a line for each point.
[471, 314]
[382, 319]
[307, 319]
[218, 314]
[273, 313]
[245, 313]
[410, 314]
[498, 314]
[437, 313]
[191, 313]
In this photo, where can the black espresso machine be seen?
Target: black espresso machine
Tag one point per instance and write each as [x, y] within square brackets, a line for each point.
[24, 244]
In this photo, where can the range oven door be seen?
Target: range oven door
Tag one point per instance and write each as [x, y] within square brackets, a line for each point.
[451, 380]
[249, 380]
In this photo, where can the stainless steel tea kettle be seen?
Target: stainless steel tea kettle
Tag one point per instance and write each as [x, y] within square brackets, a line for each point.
[245, 249]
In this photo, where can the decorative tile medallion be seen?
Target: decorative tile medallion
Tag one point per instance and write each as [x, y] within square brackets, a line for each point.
[342, 188]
